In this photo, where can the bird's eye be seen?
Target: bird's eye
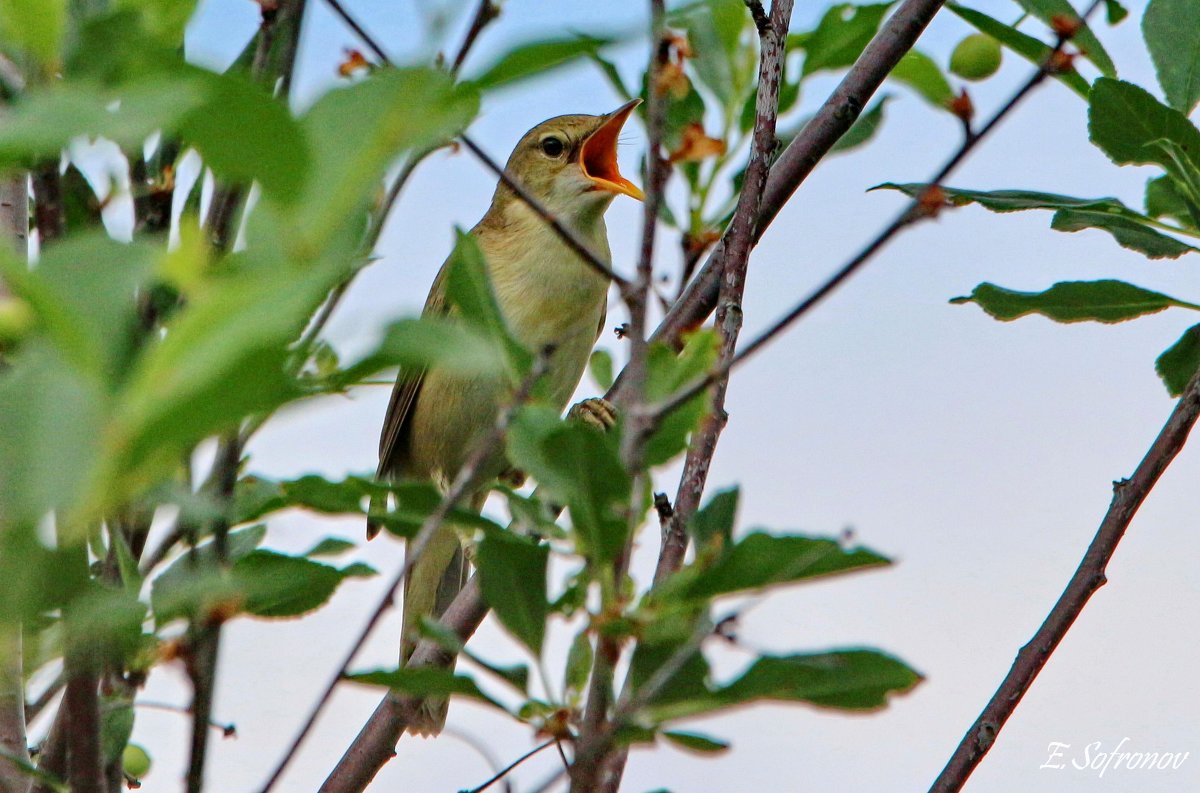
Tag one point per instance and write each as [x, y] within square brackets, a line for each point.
[552, 147]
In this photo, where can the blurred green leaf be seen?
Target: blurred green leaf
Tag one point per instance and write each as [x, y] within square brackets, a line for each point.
[1127, 232]
[579, 667]
[1089, 46]
[609, 70]
[1172, 32]
[419, 344]
[469, 289]
[356, 132]
[330, 546]
[841, 35]
[919, 72]
[713, 522]
[1073, 301]
[713, 29]
[191, 584]
[165, 19]
[1031, 49]
[760, 560]
[116, 725]
[537, 57]
[425, 682]
[1129, 125]
[512, 577]
[1179, 362]
[601, 367]
[37, 26]
[695, 742]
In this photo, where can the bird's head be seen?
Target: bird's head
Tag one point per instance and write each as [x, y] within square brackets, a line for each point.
[569, 163]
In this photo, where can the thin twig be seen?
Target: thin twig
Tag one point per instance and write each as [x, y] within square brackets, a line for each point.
[485, 12]
[1128, 496]
[359, 31]
[465, 481]
[507, 769]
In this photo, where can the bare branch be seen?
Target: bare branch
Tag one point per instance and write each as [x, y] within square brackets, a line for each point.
[484, 14]
[1128, 496]
[465, 481]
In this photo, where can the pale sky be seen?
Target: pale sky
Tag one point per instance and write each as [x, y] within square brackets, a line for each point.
[979, 455]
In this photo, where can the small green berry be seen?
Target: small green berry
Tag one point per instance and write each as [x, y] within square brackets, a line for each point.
[976, 57]
[135, 761]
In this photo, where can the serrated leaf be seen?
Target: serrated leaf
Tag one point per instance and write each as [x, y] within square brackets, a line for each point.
[1031, 49]
[695, 742]
[537, 57]
[922, 74]
[1127, 232]
[1180, 361]
[841, 35]
[424, 682]
[1172, 32]
[512, 577]
[1128, 124]
[1083, 38]
[1073, 301]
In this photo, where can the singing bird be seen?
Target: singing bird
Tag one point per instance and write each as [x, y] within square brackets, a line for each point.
[549, 296]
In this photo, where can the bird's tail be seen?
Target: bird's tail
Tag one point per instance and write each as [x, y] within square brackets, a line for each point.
[436, 579]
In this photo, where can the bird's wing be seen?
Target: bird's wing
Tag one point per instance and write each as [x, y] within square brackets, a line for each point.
[408, 385]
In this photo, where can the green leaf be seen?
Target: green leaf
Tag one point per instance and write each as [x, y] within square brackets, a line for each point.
[424, 682]
[1073, 301]
[1114, 12]
[919, 72]
[695, 742]
[116, 725]
[245, 134]
[223, 357]
[1172, 32]
[191, 584]
[601, 367]
[330, 546]
[1164, 199]
[1179, 362]
[1128, 124]
[164, 19]
[666, 374]
[356, 132]
[84, 293]
[419, 344]
[512, 577]
[37, 26]
[579, 666]
[516, 676]
[841, 35]
[852, 680]
[713, 523]
[1012, 200]
[1031, 49]
[863, 129]
[760, 560]
[609, 70]
[1089, 46]
[713, 29]
[277, 585]
[1127, 232]
[580, 467]
[537, 57]
[469, 289]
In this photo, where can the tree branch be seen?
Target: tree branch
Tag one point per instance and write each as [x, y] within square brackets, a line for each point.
[1128, 495]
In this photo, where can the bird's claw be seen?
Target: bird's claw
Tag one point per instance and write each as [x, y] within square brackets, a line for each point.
[596, 412]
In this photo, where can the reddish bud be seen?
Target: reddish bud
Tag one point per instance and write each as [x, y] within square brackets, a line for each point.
[353, 62]
[931, 201]
[1060, 61]
[962, 106]
[1065, 25]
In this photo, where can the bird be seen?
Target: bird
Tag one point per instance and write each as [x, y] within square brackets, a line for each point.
[551, 299]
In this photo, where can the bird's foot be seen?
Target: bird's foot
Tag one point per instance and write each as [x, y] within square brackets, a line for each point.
[596, 412]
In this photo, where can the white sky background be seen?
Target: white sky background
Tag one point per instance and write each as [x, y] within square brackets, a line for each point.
[979, 454]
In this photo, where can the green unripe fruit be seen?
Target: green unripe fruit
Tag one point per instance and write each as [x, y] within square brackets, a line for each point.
[135, 761]
[976, 57]
[16, 318]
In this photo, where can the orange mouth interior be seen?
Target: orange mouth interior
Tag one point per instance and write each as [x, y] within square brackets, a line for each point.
[598, 157]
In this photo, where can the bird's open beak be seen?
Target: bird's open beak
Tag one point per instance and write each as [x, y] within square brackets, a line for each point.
[598, 157]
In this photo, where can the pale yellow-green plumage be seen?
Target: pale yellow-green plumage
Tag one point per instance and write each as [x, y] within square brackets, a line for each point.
[548, 295]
